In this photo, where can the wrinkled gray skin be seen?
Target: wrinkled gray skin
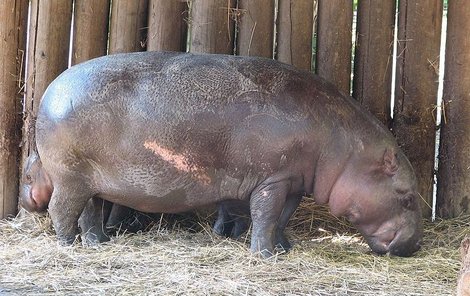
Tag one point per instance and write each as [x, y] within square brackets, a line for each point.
[170, 132]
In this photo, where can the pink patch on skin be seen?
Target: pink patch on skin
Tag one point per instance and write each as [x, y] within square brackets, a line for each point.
[178, 161]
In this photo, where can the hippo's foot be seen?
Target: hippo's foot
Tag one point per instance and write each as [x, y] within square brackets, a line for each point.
[262, 248]
[282, 242]
[66, 233]
[66, 240]
[93, 238]
[232, 228]
[266, 205]
[266, 249]
[220, 227]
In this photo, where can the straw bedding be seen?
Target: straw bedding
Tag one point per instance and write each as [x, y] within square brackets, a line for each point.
[181, 256]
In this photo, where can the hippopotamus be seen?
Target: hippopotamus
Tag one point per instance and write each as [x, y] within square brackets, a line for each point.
[172, 132]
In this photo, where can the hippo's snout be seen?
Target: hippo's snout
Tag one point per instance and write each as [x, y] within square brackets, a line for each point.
[403, 243]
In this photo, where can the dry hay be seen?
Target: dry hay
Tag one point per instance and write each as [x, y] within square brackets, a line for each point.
[183, 257]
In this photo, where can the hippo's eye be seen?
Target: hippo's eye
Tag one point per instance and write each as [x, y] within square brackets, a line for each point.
[407, 201]
[29, 179]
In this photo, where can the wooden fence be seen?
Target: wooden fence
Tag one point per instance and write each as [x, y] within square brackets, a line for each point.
[310, 34]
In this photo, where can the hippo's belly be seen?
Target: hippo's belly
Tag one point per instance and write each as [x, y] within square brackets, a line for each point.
[163, 189]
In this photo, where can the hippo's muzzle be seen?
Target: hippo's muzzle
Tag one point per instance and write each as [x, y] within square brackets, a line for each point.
[403, 244]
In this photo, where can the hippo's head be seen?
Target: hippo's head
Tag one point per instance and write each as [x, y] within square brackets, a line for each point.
[378, 194]
[36, 186]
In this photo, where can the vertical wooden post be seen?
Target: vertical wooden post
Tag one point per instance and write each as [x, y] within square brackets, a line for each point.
[453, 191]
[90, 29]
[419, 32]
[167, 25]
[374, 57]
[212, 27]
[14, 15]
[334, 42]
[48, 53]
[295, 34]
[256, 28]
[128, 31]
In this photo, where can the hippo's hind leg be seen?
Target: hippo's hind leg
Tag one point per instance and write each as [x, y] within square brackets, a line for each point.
[118, 216]
[232, 220]
[67, 203]
[291, 205]
[266, 205]
[92, 220]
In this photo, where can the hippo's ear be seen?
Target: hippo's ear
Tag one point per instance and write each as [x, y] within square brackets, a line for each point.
[390, 163]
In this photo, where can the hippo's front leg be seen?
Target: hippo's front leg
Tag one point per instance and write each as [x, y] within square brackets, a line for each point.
[291, 205]
[67, 203]
[266, 204]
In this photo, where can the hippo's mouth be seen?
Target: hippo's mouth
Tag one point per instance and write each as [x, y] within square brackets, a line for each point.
[381, 245]
[404, 249]
[393, 244]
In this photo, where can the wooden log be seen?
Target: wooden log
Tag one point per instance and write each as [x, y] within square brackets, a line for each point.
[212, 26]
[295, 32]
[419, 32]
[463, 282]
[374, 56]
[334, 42]
[48, 53]
[128, 26]
[256, 28]
[90, 30]
[14, 16]
[454, 155]
[167, 25]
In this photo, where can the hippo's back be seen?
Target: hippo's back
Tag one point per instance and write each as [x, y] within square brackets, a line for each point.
[144, 88]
